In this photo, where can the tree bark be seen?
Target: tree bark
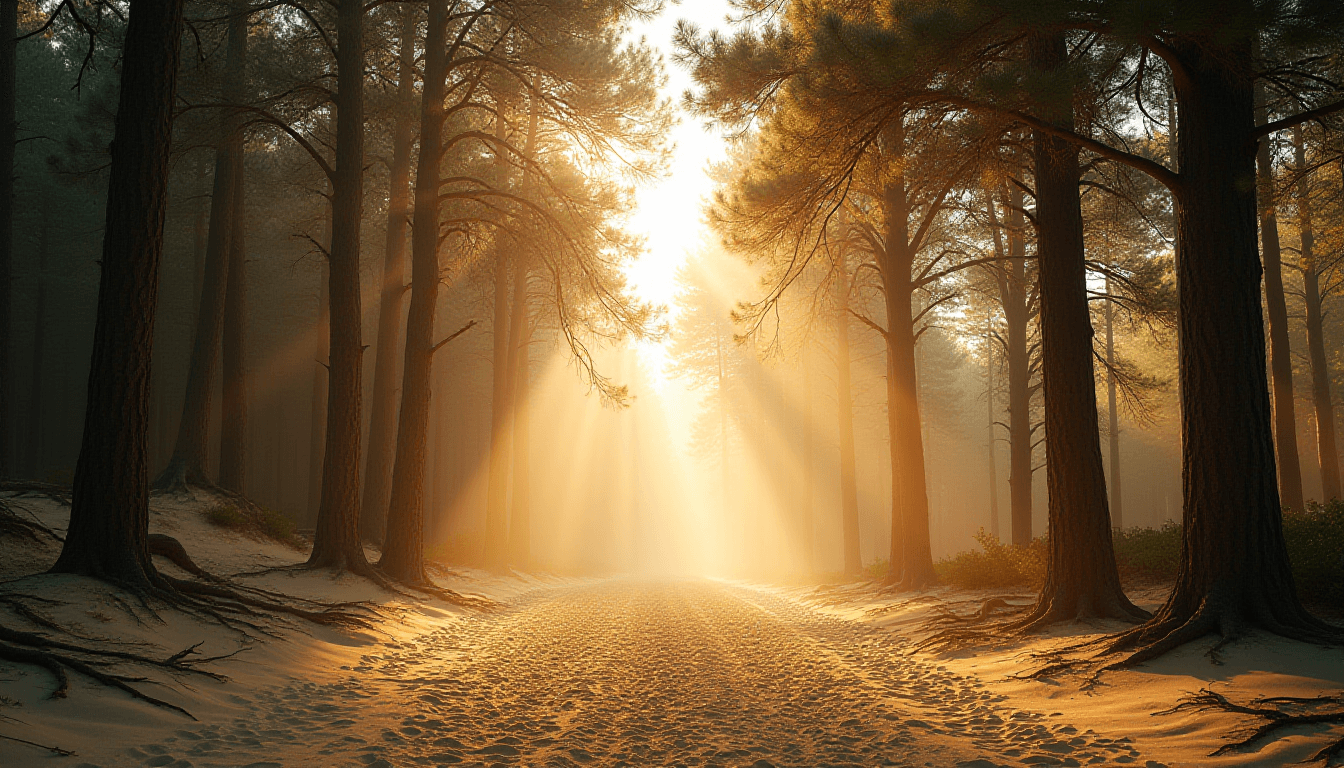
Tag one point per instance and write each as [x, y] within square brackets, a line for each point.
[844, 401]
[1234, 570]
[1112, 412]
[9, 20]
[233, 429]
[993, 460]
[910, 502]
[109, 514]
[383, 408]
[1326, 453]
[497, 488]
[404, 554]
[36, 426]
[317, 432]
[1280, 354]
[1081, 577]
[1013, 297]
[336, 542]
[187, 466]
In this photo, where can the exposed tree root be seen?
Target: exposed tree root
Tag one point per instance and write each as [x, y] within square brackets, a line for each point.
[19, 526]
[171, 549]
[1273, 718]
[475, 602]
[51, 491]
[55, 750]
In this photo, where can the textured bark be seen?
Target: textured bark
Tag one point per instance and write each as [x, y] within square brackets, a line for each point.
[109, 514]
[1280, 354]
[233, 425]
[9, 10]
[317, 433]
[36, 426]
[404, 554]
[844, 399]
[1234, 570]
[1081, 578]
[336, 542]
[497, 488]
[383, 405]
[1326, 453]
[910, 546]
[1113, 414]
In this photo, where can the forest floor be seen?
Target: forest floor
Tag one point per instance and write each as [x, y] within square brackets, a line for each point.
[635, 671]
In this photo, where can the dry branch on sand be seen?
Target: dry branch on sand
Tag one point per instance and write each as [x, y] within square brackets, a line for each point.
[1275, 713]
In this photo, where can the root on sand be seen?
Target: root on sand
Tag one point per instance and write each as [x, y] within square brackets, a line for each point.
[1274, 714]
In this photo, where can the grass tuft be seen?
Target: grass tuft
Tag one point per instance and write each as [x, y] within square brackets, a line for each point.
[266, 523]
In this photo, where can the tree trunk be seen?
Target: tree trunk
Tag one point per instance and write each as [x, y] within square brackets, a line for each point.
[1280, 355]
[1013, 294]
[191, 450]
[9, 17]
[317, 433]
[36, 426]
[383, 408]
[109, 514]
[1117, 504]
[844, 401]
[404, 553]
[520, 519]
[993, 461]
[910, 501]
[336, 542]
[1081, 579]
[497, 483]
[1234, 570]
[233, 429]
[806, 526]
[1326, 452]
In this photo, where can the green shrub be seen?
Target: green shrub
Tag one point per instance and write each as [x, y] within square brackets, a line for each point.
[996, 565]
[261, 522]
[1315, 539]
[227, 517]
[1148, 553]
[876, 570]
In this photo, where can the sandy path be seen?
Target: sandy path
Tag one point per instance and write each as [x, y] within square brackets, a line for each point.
[639, 673]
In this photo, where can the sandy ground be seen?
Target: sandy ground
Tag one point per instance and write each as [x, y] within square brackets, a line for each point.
[629, 671]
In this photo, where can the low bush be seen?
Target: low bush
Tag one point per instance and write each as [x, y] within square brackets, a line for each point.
[263, 522]
[1315, 539]
[1149, 554]
[996, 565]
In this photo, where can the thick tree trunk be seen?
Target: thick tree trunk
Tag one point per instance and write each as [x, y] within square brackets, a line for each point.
[1081, 578]
[844, 401]
[9, 10]
[233, 429]
[109, 515]
[1326, 453]
[910, 502]
[383, 407]
[404, 553]
[8, 31]
[317, 432]
[336, 542]
[1280, 355]
[1113, 414]
[36, 426]
[1234, 570]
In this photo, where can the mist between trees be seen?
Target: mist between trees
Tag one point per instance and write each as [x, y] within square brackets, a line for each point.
[944, 270]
